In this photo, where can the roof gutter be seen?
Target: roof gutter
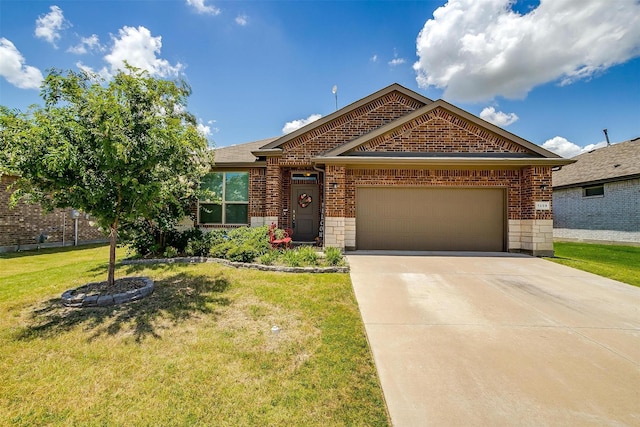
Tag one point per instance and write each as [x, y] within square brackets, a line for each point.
[440, 161]
[596, 182]
[256, 164]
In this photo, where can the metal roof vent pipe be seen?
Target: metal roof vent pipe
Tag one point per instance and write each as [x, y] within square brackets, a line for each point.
[606, 135]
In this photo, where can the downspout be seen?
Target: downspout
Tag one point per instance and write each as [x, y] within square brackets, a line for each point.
[323, 205]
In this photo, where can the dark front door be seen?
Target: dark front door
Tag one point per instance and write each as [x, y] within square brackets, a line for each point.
[304, 212]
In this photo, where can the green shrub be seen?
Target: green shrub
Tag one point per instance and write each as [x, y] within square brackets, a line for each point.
[291, 258]
[308, 255]
[170, 252]
[333, 256]
[199, 247]
[257, 237]
[270, 257]
[241, 253]
[142, 237]
[217, 236]
[220, 250]
[146, 238]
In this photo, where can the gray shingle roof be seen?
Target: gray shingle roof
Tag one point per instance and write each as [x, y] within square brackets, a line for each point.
[240, 153]
[610, 163]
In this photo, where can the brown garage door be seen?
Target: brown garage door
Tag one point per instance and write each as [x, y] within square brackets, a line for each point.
[430, 219]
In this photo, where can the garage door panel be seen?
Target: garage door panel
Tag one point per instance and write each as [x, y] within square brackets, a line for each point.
[469, 219]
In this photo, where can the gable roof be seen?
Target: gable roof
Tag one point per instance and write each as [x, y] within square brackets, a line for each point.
[253, 153]
[389, 127]
[611, 163]
[395, 87]
[240, 154]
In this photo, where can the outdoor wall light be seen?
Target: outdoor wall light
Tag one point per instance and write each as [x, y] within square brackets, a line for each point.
[334, 185]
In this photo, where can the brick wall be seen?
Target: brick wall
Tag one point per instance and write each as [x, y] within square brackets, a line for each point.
[509, 179]
[273, 187]
[344, 128]
[441, 132]
[536, 186]
[615, 216]
[337, 190]
[257, 192]
[21, 226]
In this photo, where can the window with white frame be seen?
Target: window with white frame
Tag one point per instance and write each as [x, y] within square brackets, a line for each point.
[231, 203]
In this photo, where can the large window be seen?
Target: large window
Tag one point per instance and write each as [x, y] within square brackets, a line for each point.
[231, 204]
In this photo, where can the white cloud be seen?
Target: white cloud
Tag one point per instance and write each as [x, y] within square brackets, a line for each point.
[204, 130]
[297, 124]
[139, 49]
[241, 20]
[14, 69]
[374, 58]
[87, 44]
[48, 26]
[479, 49]
[397, 61]
[207, 130]
[568, 149]
[202, 8]
[498, 118]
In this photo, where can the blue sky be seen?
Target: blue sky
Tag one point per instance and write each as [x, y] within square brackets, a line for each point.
[554, 72]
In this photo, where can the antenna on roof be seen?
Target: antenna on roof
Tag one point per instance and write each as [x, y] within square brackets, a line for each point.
[334, 90]
[606, 135]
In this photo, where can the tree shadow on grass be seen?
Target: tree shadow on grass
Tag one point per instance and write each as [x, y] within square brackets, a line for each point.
[175, 300]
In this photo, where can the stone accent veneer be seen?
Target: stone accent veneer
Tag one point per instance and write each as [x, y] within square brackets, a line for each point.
[532, 236]
[334, 232]
[350, 233]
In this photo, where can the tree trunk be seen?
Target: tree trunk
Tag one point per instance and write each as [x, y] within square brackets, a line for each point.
[112, 254]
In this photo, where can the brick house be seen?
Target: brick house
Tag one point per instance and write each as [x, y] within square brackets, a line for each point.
[597, 198]
[392, 171]
[28, 226]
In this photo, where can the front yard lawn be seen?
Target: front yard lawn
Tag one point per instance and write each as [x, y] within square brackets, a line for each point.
[198, 351]
[615, 262]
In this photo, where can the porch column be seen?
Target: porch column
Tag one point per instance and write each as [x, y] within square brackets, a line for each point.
[257, 191]
[535, 227]
[273, 198]
[335, 191]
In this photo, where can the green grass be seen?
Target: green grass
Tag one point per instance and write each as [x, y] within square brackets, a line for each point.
[198, 351]
[620, 263]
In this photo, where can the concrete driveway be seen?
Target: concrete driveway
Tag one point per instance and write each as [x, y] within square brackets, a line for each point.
[498, 339]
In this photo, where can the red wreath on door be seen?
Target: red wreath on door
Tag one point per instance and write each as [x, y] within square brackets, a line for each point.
[304, 200]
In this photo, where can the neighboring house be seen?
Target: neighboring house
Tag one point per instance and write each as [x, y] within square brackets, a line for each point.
[28, 226]
[597, 198]
[392, 171]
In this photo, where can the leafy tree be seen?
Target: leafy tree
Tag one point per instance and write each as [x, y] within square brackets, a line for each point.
[120, 150]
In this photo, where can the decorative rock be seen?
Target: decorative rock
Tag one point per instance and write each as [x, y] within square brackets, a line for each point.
[91, 300]
[261, 267]
[105, 300]
[71, 297]
[120, 298]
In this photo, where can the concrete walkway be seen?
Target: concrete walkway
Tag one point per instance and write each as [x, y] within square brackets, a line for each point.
[499, 340]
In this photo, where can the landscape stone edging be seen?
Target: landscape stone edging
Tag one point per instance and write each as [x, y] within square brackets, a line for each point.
[95, 300]
[261, 267]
